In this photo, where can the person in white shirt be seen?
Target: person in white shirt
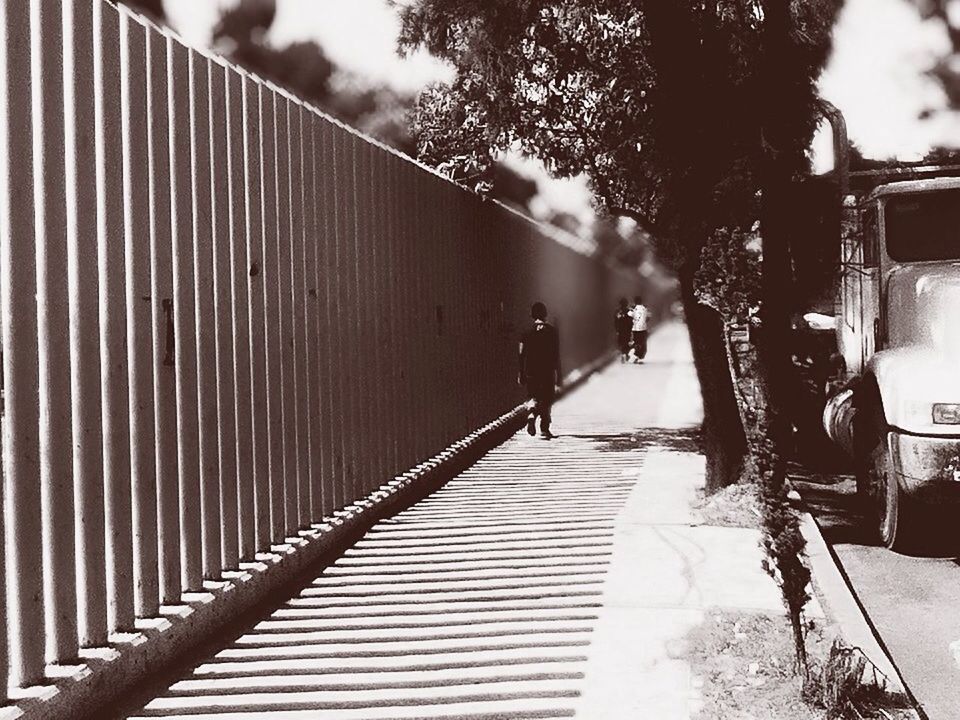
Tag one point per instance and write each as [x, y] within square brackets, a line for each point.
[641, 317]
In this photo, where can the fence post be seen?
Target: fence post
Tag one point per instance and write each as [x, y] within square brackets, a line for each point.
[113, 325]
[18, 283]
[313, 298]
[336, 317]
[184, 319]
[84, 302]
[253, 99]
[205, 329]
[240, 300]
[271, 276]
[164, 348]
[56, 446]
[326, 213]
[284, 318]
[224, 313]
[136, 187]
[301, 303]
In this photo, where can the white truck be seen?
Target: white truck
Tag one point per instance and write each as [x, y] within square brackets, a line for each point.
[897, 411]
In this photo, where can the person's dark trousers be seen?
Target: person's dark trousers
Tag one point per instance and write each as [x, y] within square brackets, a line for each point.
[623, 341]
[542, 395]
[640, 344]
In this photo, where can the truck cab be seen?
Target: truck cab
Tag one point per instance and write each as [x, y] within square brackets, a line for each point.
[898, 332]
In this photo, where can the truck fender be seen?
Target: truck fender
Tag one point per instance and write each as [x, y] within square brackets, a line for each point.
[908, 381]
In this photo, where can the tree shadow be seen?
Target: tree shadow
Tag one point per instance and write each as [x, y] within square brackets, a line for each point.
[832, 500]
[686, 440]
[843, 519]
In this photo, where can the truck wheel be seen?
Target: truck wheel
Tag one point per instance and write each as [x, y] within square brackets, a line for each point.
[896, 510]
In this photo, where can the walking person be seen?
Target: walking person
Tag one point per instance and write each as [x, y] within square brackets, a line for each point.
[623, 325]
[641, 317]
[540, 369]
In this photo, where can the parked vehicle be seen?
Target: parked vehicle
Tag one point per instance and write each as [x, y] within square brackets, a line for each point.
[897, 408]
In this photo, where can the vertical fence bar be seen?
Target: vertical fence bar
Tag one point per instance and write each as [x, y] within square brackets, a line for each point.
[425, 327]
[357, 264]
[313, 298]
[337, 308]
[354, 391]
[224, 313]
[240, 302]
[299, 299]
[253, 99]
[21, 376]
[113, 319]
[271, 276]
[56, 453]
[327, 339]
[164, 376]
[367, 224]
[392, 271]
[184, 321]
[136, 186]
[284, 319]
[205, 348]
[345, 305]
[408, 456]
[379, 284]
[84, 299]
[398, 299]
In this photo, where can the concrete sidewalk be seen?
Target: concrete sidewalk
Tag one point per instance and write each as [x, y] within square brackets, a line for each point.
[552, 579]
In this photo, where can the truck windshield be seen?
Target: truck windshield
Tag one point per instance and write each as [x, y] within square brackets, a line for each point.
[923, 226]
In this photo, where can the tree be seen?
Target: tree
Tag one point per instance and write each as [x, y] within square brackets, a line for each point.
[666, 106]
[304, 69]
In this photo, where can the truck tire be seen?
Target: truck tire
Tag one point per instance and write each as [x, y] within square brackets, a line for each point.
[896, 510]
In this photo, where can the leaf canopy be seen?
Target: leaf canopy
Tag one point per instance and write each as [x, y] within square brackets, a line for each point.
[670, 108]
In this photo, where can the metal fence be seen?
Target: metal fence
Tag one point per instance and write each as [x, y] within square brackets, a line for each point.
[225, 316]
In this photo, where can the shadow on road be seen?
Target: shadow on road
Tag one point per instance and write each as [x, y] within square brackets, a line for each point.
[832, 500]
[669, 439]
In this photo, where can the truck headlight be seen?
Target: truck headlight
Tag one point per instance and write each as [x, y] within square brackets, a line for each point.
[946, 413]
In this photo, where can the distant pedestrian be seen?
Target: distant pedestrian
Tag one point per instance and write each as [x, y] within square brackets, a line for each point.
[641, 318]
[623, 325]
[540, 369]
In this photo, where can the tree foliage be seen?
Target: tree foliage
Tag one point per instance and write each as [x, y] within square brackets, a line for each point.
[305, 69]
[661, 104]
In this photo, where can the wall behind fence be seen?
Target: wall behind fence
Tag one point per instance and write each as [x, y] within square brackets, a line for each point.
[224, 317]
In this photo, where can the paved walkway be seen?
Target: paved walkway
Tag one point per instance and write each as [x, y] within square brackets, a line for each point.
[552, 579]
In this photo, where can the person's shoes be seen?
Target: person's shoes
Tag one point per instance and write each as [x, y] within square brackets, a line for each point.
[547, 435]
[531, 426]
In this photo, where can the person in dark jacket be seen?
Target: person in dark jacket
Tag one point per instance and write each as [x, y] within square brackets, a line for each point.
[540, 369]
[623, 324]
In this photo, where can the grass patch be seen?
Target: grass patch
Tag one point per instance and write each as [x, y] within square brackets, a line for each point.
[743, 665]
[733, 506]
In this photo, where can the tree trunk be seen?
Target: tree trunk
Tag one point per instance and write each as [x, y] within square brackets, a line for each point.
[778, 197]
[723, 439]
[774, 338]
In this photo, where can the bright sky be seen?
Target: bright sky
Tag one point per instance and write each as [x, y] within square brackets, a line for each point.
[875, 75]
[359, 35]
[876, 78]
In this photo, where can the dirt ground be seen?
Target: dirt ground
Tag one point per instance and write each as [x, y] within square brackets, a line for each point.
[745, 664]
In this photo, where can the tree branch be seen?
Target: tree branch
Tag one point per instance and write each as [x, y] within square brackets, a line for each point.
[638, 217]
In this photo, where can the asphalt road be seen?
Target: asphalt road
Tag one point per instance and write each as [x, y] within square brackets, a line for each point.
[913, 602]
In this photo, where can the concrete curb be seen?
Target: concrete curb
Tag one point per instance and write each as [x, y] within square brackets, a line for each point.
[103, 677]
[841, 605]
